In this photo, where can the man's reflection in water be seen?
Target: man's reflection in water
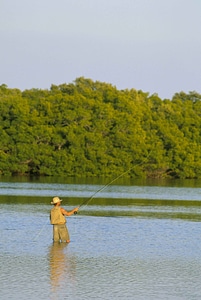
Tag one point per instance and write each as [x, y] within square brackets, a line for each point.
[62, 267]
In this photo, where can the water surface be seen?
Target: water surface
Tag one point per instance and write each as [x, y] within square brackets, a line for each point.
[126, 244]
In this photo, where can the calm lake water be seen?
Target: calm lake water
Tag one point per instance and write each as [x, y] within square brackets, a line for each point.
[134, 240]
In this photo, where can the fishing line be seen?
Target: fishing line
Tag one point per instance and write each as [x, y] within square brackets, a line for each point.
[38, 234]
[86, 202]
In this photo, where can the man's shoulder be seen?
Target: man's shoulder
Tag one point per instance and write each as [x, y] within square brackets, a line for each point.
[56, 208]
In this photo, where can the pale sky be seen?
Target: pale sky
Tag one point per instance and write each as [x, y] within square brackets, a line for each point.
[148, 45]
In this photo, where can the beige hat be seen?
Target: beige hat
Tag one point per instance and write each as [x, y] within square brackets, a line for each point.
[55, 200]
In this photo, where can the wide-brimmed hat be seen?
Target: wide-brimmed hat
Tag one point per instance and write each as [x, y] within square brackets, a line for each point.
[55, 200]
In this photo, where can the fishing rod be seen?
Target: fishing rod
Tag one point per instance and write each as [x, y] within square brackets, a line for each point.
[109, 183]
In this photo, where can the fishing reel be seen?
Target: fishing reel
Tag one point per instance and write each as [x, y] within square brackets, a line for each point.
[75, 212]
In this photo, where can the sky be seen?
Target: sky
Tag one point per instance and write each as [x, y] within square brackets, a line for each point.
[148, 45]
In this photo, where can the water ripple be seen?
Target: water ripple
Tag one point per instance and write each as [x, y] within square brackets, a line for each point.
[87, 191]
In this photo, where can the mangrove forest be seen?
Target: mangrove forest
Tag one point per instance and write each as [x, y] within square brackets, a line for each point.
[91, 129]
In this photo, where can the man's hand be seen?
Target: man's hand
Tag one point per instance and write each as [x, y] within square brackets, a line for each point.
[75, 210]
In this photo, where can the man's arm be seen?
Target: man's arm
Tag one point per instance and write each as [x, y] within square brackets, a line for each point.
[69, 213]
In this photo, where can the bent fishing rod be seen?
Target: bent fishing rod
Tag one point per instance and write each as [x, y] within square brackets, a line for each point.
[84, 203]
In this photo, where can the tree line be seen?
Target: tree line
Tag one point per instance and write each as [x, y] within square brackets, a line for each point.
[90, 128]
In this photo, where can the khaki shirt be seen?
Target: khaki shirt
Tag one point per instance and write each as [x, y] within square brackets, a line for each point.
[56, 216]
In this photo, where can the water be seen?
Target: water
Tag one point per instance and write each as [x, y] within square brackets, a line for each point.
[130, 242]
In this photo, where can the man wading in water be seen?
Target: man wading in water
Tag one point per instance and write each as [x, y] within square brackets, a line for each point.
[58, 220]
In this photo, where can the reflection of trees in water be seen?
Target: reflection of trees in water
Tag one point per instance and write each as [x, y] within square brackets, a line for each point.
[62, 267]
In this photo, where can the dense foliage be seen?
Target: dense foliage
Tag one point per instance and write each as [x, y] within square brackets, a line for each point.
[89, 128]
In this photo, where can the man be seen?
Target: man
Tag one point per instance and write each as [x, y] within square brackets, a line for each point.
[58, 220]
